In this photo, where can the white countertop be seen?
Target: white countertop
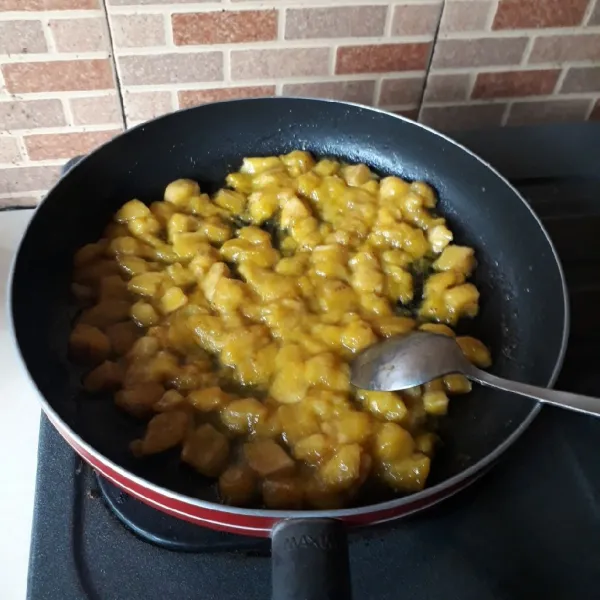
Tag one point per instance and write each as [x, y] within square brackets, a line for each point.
[19, 428]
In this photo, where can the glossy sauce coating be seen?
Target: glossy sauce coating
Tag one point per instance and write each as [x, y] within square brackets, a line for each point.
[227, 323]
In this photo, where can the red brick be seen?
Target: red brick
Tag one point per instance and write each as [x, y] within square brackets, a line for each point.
[41, 5]
[189, 98]
[514, 84]
[58, 76]
[521, 14]
[224, 27]
[382, 58]
[65, 145]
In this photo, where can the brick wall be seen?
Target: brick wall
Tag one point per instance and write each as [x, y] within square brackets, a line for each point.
[514, 62]
[58, 95]
[73, 73]
[174, 55]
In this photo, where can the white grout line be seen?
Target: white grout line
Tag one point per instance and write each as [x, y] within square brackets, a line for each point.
[276, 45]
[332, 60]
[50, 43]
[503, 34]
[8, 199]
[491, 17]
[561, 79]
[590, 11]
[528, 50]
[59, 95]
[525, 99]
[62, 17]
[377, 91]
[36, 195]
[268, 81]
[471, 84]
[227, 66]
[241, 6]
[17, 15]
[28, 194]
[506, 114]
[588, 112]
[59, 129]
[56, 57]
[22, 148]
[68, 112]
[389, 18]
[281, 24]
[395, 75]
[37, 163]
[509, 67]
[174, 100]
[168, 25]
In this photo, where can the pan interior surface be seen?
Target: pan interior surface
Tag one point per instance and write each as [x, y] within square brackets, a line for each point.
[523, 308]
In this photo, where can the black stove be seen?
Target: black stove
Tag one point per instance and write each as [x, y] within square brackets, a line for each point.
[528, 530]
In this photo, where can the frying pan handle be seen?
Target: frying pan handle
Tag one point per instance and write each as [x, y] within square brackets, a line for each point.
[310, 560]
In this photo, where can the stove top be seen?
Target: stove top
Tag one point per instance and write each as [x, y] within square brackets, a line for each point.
[528, 529]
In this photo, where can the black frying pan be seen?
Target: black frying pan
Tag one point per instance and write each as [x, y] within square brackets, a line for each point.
[524, 313]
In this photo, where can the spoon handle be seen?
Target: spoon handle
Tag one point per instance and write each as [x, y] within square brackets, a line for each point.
[575, 402]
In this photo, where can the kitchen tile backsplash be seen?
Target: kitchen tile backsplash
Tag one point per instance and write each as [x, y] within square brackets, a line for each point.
[514, 62]
[74, 73]
[58, 93]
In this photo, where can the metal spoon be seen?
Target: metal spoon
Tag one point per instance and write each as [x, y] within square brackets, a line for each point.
[413, 359]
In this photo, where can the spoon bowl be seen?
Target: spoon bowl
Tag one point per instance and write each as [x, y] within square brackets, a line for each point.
[410, 360]
[405, 361]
